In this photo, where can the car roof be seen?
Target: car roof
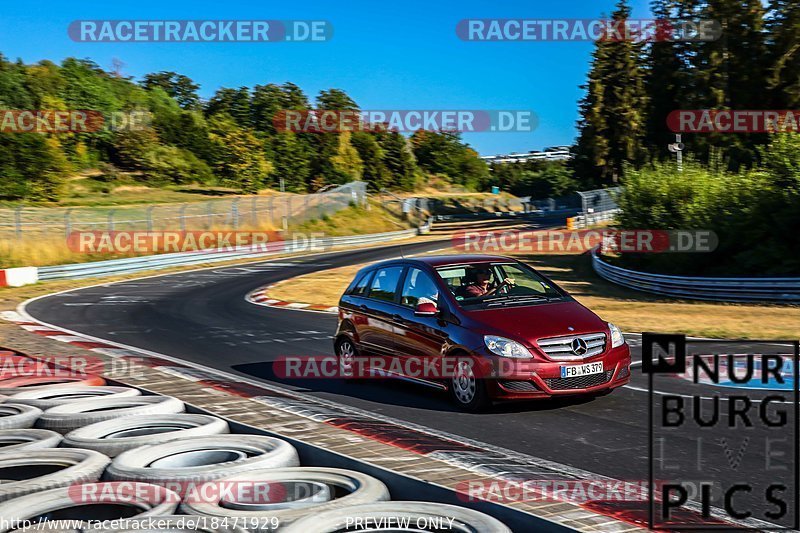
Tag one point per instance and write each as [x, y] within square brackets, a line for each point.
[446, 260]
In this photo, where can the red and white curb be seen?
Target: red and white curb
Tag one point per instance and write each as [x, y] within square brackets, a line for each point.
[17, 277]
[261, 296]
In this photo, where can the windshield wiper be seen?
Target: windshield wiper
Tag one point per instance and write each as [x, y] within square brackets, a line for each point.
[503, 300]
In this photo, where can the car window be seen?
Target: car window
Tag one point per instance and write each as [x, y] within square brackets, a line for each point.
[503, 280]
[361, 285]
[384, 284]
[525, 282]
[418, 285]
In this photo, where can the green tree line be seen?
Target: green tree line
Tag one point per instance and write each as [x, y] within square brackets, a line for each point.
[229, 140]
[744, 187]
[633, 86]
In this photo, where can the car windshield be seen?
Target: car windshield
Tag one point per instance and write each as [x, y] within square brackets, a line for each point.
[487, 284]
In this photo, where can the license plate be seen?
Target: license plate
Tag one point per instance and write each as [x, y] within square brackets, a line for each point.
[574, 371]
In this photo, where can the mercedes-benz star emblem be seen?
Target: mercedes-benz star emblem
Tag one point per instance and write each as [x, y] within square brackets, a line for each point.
[579, 346]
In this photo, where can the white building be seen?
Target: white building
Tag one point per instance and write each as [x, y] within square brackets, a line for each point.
[552, 153]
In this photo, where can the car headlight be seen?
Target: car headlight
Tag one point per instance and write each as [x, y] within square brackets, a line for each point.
[506, 347]
[616, 336]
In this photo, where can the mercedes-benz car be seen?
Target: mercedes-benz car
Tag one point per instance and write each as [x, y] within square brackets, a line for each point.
[484, 328]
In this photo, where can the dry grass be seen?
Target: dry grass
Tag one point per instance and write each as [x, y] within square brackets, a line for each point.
[47, 249]
[630, 310]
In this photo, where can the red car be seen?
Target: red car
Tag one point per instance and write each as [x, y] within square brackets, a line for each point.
[482, 327]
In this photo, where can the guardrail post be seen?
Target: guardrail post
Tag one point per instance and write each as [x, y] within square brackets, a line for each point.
[18, 222]
[287, 211]
[150, 219]
[67, 222]
[111, 220]
[270, 205]
[182, 217]
[235, 213]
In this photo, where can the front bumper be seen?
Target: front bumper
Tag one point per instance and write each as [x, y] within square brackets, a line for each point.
[542, 379]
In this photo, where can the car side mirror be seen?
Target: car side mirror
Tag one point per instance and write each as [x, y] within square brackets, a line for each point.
[426, 309]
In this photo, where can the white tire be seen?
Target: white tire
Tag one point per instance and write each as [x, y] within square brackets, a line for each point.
[13, 440]
[53, 395]
[355, 487]
[112, 437]
[199, 459]
[401, 516]
[88, 501]
[18, 416]
[38, 470]
[69, 416]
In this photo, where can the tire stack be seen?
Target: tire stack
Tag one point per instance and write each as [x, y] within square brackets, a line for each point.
[78, 452]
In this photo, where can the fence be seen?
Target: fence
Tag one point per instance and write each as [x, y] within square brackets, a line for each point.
[598, 205]
[242, 211]
[785, 290]
[130, 265]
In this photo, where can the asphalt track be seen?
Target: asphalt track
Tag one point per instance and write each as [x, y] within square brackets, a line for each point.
[202, 317]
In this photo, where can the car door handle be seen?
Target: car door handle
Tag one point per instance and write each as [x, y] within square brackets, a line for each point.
[398, 318]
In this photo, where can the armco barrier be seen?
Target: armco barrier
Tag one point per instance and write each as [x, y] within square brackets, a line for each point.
[155, 262]
[17, 277]
[784, 290]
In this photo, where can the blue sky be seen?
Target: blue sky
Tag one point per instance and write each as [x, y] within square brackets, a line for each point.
[386, 55]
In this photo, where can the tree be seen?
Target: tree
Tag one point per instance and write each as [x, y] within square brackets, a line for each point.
[731, 74]
[612, 123]
[335, 99]
[398, 158]
[346, 162]
[32, 166]
[177, 86]
[292, 159]
[783, 78]
[233, 102]
[372, 156]
[238, 155]
[668, 80]
[444, 153]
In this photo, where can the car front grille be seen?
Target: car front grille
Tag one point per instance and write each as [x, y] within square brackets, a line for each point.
[580, 382]
[561, 348]
[519, 386]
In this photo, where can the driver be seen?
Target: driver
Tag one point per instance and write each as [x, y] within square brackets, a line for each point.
[482, 287]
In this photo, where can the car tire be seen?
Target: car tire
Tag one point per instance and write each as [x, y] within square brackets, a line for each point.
[14, 385]
[202, 458]
[336, 520]
[70, 416]
[357, 488]
[18, 416]
[53, 395]
[346, 349]
[109, 437]
[149, 501]
[466, 390]
[14, 440]
[38, 470]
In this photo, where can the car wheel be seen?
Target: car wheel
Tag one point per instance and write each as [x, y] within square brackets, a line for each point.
[346, 353]
[466, 390]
